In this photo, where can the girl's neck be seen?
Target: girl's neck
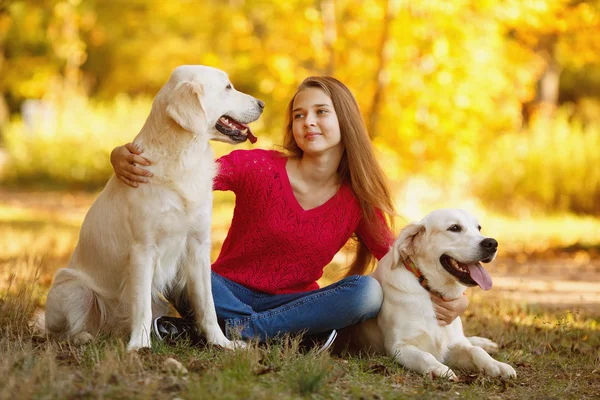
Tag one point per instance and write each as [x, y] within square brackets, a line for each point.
[319, 170]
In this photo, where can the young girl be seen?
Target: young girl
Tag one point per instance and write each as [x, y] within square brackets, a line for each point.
[293, 213]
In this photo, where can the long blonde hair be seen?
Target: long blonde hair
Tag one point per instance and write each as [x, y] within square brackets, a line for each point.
[358, 167]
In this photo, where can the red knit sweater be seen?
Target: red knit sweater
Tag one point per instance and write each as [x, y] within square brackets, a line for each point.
[273, 244]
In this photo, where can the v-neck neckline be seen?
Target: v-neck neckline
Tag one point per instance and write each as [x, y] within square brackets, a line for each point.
[289, 190]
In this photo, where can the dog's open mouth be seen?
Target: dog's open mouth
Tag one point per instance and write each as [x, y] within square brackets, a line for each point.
[470, 274]
[235, 130]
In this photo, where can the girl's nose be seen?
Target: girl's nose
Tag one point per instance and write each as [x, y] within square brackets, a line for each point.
[310, 119]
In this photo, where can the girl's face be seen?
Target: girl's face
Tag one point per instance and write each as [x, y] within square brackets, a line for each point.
[315, 124]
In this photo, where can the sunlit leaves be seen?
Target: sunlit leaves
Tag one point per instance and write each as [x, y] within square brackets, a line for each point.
[455, 77]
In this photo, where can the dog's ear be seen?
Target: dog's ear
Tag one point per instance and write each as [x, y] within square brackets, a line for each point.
[184, 106]
[408, 242]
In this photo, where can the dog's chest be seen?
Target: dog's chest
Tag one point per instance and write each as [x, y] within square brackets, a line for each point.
[434, 340]
[179, 218]
[178, 207]
[410, 318]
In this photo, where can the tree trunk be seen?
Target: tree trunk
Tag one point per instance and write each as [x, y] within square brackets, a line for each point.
[381, 75]
[547, 86]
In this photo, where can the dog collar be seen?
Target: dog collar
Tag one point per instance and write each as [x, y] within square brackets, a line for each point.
[410, 265]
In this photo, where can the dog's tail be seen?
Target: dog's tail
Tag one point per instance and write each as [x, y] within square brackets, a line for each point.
[75, 304]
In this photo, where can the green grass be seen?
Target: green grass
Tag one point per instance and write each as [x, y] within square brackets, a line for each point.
[556, 353]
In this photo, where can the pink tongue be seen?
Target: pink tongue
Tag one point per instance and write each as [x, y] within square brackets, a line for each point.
[481, 276]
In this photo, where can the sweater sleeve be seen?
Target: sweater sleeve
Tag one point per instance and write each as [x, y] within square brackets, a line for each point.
[229, 171]
[379, 244]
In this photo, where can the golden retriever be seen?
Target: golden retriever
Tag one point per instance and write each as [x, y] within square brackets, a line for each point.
[443, 254]
[135, 244]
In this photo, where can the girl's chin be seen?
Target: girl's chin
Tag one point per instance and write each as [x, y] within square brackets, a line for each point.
[320, 151]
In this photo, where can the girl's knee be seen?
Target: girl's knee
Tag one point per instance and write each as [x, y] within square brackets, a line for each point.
[368, 297]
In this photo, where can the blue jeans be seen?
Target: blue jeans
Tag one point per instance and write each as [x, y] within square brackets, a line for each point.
[256, 315]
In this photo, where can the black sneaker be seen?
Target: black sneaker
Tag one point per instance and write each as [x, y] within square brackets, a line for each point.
[172, 330]
[320, 341]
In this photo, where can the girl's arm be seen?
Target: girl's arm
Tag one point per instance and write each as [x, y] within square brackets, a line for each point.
[446, 310]
[123, 160]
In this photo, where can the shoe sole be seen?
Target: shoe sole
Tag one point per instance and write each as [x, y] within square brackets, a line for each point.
[328, 343]
[155, 329]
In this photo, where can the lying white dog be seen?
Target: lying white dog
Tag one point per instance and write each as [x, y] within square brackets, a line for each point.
[441, 254]
[138, 243]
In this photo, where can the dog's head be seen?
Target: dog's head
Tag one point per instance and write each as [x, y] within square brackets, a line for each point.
[448, 244]
[203, 101]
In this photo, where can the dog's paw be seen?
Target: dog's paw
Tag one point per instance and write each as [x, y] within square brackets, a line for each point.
[139, 343]
[135, 347]
[81, 338]
[507, 371]
[217, 338]
[231, 344]
[237, 345]
[441, 371]
[486, 344]
[498, 368]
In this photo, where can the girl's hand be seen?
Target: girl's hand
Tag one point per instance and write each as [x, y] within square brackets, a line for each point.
[123, 158]
[446, 310]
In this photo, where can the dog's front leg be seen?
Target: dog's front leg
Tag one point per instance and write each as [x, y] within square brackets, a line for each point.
[488, 345]
[464, 355]
[200, 290]
[143, 260]
[417, 360]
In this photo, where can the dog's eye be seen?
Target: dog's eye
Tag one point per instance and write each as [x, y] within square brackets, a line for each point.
[479, 227]
[455, 228]
[229, 87]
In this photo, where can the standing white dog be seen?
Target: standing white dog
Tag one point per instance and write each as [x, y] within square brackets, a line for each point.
[137, 243]
[442, 253]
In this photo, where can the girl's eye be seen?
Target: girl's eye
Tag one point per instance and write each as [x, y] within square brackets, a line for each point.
[298, 116]
[322, 111]
[455, 228]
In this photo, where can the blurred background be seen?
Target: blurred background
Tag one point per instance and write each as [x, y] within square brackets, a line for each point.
[490, 105]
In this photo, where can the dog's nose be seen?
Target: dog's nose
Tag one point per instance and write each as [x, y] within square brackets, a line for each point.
[489, 244]
[261, 104]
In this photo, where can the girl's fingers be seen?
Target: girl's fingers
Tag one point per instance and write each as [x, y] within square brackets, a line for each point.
[135, 159]
[135, 177]
[132, 169]
[442, 315]
[446, 310]
[140, 160]
[133, 148]
[127, 181]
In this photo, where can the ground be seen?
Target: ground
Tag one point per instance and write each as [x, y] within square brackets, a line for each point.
[544, 311]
